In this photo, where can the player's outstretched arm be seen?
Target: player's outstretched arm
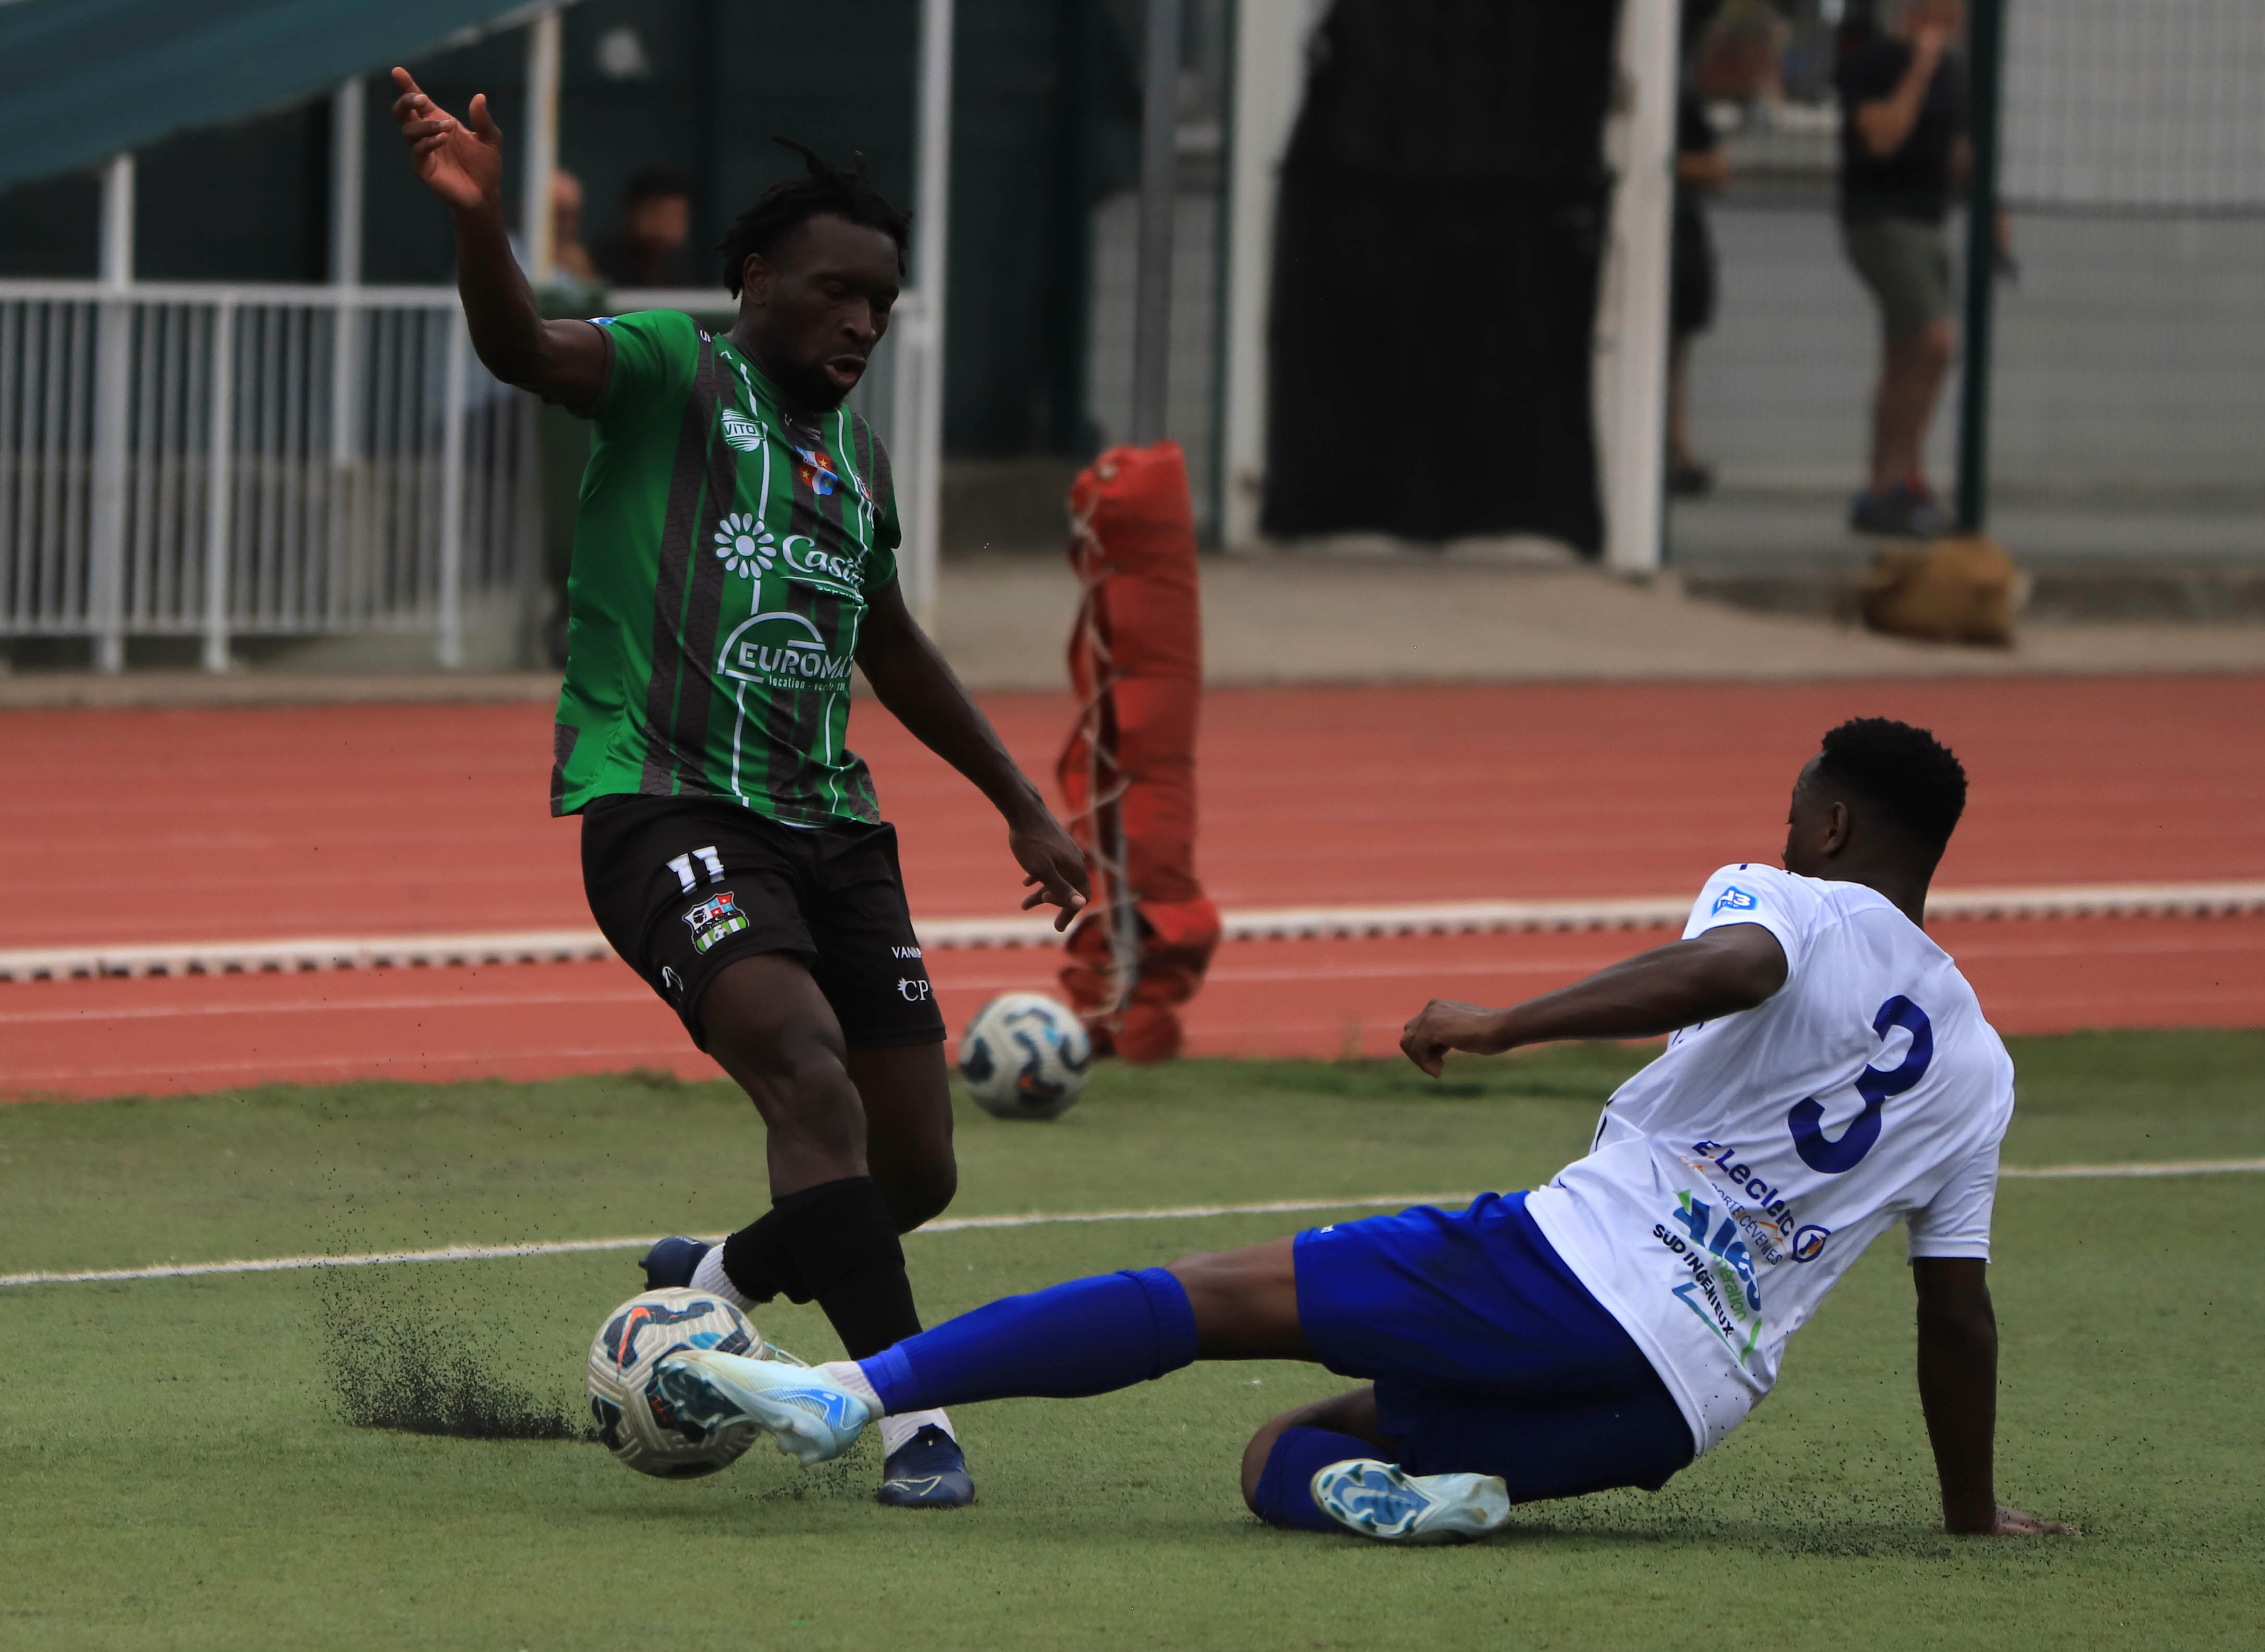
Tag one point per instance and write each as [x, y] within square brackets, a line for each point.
[1958, 1391]
[462, 161]
[912, 679]
[1718, 973]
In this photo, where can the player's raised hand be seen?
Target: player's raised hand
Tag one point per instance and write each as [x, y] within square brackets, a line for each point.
[460, 164]
[1444, 1025]
[1054, 868]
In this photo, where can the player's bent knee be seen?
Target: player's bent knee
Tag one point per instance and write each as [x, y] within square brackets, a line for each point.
[919, 1193]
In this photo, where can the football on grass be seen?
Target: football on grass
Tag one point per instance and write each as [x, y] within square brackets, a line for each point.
[1024, 1056]
[640, 1424]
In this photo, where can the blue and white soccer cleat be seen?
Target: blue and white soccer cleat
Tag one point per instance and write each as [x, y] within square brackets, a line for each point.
[671, 1262]
[1377, 1500]
[928, 1471]
[811, 1417]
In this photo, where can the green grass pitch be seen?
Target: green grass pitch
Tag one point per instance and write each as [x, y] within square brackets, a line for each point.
[174, 1472]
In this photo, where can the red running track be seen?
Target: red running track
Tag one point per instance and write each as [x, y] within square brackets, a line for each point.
[149, 825]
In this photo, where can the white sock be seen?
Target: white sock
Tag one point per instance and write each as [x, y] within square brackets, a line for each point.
[851, 1376]
[709, 1277]
[895, 1430]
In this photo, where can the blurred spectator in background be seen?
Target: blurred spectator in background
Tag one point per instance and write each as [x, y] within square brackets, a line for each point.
[1737, 51]
[1902, 153]
[568, 256]
[648, 249]
[1700, 169]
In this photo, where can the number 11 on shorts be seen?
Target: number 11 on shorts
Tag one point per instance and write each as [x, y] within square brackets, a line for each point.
[682, 867]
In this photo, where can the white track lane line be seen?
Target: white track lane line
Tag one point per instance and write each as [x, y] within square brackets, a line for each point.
[1034, 1219]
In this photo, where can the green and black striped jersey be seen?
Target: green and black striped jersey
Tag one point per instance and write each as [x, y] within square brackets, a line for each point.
[722, 562]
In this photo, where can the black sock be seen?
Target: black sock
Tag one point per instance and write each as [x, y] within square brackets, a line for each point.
[836, 1243]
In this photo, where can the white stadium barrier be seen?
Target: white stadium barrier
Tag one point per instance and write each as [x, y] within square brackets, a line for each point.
[1478, 917]
[197, 460]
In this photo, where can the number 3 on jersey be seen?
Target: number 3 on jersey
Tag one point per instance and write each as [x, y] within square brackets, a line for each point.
[1875, 1086]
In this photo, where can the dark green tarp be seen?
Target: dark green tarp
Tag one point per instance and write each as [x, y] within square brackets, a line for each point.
[83, 79]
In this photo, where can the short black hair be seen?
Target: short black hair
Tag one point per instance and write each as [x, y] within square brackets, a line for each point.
[840, 192]
[655, 182]
[1905, 772]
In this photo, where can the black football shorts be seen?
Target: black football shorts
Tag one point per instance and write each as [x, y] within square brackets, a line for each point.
[682, 886]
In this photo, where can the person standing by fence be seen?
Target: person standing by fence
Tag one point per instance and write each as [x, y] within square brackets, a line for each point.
[1904, 151]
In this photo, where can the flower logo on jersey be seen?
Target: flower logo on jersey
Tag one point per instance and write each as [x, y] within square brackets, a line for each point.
[747, 546]
[740, 431]
[1732, 900]
[816, 472]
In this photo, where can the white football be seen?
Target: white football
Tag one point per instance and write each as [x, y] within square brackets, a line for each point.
[642, 1427]
[1024, 1056]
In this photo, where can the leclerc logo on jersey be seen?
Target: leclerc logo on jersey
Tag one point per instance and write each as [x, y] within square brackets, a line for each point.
[1732, 900]
[781, 651]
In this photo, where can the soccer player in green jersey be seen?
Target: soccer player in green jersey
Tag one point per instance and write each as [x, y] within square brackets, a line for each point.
[735, 553]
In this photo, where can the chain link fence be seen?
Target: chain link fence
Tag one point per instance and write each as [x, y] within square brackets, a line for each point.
[2127, 434]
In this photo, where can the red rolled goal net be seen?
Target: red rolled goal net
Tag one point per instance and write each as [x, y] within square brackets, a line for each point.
[1136, 663]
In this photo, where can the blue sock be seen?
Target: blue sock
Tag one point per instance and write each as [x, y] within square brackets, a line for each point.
[1285, 1486]
[1087, 1336]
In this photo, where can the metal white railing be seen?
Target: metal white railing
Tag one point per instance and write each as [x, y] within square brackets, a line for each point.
[189, 459]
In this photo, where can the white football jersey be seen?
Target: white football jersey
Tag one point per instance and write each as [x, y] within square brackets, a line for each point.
[1734, 1180]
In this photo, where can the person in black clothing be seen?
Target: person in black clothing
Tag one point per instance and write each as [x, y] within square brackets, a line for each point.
[1700, 169]
[1904, 153]
[648, 249]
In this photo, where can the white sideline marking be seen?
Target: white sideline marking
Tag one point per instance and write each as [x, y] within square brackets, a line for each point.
[1267, 923]
[569, 1247]
[2183, 1167]
[958, 1223]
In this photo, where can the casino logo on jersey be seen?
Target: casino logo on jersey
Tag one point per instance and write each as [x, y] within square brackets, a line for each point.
[742, 433]
[781, 651]
[748, 548]
[713, 919]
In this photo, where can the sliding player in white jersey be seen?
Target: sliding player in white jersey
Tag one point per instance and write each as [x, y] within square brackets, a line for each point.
[1831, 1073]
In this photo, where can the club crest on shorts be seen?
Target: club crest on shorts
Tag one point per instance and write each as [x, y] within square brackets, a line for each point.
[713, 919]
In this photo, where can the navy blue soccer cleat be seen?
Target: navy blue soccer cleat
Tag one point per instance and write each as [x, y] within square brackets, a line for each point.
[671, 1261]
[928, 1471]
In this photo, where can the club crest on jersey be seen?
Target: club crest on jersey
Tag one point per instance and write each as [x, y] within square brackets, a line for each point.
[742, 433]
[713, 919]
[816, 472]
[782, 650]
[1732, 900]
[747, 547]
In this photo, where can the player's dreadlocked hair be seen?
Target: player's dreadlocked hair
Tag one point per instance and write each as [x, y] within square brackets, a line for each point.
[843, 192]
[1906, 773]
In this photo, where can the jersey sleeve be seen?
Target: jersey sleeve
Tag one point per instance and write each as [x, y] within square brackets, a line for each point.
[1751, 893]
[1956, 1222]
[888, 532]
[652, 354]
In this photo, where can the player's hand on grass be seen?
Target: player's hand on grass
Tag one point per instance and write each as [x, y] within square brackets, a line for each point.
[1444, 1025]
[460, 164]
[1053, 866]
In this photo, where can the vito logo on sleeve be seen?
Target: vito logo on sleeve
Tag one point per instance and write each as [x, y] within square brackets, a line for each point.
[741, 433]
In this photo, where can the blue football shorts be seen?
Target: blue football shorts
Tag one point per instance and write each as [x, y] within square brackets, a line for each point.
[1489, 1355]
